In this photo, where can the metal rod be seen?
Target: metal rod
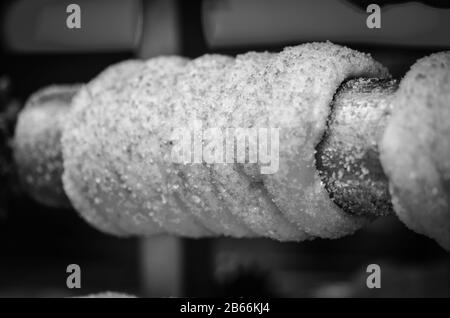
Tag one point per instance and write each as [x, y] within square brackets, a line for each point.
[347, 157]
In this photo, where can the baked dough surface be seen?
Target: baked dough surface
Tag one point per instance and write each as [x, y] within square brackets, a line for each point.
[117, 144]
[415, 150]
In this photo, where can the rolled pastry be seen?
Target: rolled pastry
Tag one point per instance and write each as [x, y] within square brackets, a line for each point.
[117, 144]
[293, 92]
[95, 181]
[415, 150]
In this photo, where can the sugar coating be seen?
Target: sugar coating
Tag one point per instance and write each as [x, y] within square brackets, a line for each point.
[415, 149]
[118, 143]
[297, 89]
[156, 114]
[241, 106]
[113, 141]
[194, 100]
[37, 144]
[95, 175]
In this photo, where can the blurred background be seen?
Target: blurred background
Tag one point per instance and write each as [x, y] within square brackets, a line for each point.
[37, 243]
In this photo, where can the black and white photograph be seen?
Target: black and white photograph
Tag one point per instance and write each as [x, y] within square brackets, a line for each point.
[221, 155]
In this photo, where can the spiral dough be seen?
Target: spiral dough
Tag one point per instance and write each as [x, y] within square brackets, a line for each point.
[117, 144]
